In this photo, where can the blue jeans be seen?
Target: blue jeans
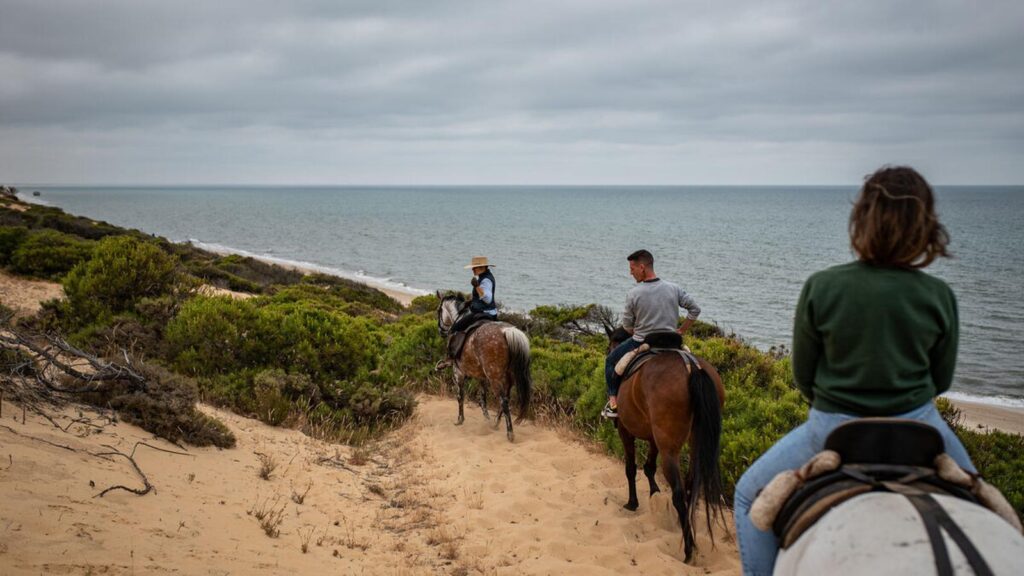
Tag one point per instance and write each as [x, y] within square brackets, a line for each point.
[758, 549]
[611, 379]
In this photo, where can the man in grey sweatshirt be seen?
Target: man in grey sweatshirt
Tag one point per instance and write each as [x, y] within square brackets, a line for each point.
[651, 306]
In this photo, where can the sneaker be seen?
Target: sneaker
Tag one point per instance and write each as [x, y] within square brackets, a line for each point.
[610, 411]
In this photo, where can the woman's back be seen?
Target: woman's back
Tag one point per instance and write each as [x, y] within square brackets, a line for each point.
[874, 341]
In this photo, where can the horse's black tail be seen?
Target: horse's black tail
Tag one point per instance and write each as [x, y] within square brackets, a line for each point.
[705, 476]
[519, 368]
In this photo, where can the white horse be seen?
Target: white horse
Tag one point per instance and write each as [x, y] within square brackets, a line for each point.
[882, 533]
[885, 498]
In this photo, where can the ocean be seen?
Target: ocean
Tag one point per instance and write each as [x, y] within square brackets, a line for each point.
[742, 252]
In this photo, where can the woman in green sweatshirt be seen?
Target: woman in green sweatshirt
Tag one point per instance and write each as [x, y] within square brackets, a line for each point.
[875, 337]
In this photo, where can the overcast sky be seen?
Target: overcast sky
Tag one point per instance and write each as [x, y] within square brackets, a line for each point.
[488, 92]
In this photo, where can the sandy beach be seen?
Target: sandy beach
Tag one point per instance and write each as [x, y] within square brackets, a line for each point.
[431, 498]
[985, 416]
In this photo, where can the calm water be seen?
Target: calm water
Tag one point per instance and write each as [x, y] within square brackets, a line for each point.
[742, 252]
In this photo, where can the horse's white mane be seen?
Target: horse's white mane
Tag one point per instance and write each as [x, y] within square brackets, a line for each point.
[449, 312]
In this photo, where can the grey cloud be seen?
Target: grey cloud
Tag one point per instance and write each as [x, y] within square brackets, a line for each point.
[589, 77]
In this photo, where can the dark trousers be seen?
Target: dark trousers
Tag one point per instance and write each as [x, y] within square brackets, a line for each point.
[468, 318]
[611, 379]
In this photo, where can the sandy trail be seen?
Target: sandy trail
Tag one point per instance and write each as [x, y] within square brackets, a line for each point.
[429, 499]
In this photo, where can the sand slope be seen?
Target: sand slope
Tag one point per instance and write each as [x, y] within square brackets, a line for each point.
[430, 499]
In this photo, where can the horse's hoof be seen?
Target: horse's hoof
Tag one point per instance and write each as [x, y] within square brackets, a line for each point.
[511, 437]
[631, 506]
[688, 559]
[460, 421]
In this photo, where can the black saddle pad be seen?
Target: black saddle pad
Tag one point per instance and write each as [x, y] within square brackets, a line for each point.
[886, 441]
[671, 340]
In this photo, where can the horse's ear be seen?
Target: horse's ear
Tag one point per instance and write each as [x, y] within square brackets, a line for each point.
[608, 330]
[438, 294]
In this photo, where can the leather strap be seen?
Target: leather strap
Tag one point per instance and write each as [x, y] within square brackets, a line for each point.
[936, 519]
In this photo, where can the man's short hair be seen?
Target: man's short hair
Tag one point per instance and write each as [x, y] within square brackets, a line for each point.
[642, 256]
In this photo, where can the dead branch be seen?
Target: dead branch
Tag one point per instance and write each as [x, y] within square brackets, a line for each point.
[147, 487]
[53, 353]
[54, 444]
[336, 463]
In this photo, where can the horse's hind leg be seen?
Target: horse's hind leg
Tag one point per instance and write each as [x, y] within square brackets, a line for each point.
[670, 464]
[629, 444]
[508, 418]
[483, 402]
[651, 466]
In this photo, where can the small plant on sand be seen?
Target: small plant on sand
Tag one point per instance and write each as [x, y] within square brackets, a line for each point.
[267, 465]
[350, 539]
[305, 535]
[474, 498]
[446, 541]
[269, 515]
[360, 455]
[298, 497]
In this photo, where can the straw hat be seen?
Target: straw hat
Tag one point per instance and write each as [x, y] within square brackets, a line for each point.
[479, 261]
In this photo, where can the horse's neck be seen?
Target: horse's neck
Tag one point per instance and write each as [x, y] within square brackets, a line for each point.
[451, 314]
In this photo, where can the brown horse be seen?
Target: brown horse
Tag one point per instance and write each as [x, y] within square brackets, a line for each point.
[669, 404]
[498, 355]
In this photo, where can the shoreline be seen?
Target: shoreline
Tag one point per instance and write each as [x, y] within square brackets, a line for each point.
[979, 417]
[403, 297]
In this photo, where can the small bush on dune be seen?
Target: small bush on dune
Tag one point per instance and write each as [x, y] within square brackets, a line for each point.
[166, 408]
[49, 254]
[56, 219]
[413, 348]
[11, 237]
[122, 271]
[352, 291]
[211, 336]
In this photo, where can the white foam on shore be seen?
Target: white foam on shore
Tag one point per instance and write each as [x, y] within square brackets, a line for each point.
[28, 198]
[360, 276]
[998, 401]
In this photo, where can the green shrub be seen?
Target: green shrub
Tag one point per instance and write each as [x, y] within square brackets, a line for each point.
[215, 335]
[53, 218]
[166, 408]
[49, 254]
[11, 237]
[352, 291]
[122, 271]
[999, 458]
[413, 347]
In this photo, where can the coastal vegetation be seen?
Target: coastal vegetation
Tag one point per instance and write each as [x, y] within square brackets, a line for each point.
[342, 361]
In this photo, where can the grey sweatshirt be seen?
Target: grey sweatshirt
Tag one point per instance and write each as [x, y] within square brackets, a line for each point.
[653, 306]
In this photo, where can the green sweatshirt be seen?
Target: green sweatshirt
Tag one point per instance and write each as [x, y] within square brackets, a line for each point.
[874, 341]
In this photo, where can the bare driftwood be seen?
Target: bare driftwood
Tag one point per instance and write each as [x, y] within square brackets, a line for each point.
[51, 354]
[46, 373]
[147, 487]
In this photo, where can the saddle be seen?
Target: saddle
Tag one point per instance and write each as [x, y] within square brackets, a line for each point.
[654, 344]
[873, 454]
[457, 340]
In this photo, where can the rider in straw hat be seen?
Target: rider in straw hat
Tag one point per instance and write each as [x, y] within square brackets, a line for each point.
[482, 306]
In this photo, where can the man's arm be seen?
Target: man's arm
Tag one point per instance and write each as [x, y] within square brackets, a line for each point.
[687, 303]
[486, 291]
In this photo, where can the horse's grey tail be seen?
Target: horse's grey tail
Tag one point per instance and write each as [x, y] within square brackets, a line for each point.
[705, 473]
[519, 368]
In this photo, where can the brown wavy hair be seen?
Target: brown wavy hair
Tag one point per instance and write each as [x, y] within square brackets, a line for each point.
[893, 222]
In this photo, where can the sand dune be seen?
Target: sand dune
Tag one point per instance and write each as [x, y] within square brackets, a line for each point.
[431, 498]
